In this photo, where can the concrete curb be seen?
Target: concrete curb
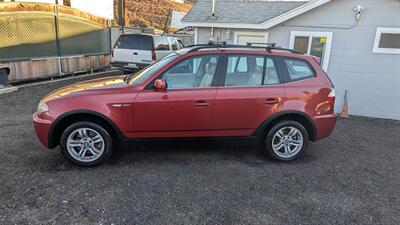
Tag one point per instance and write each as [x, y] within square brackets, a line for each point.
[8, 90]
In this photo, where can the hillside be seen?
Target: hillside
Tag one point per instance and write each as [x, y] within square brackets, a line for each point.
[150, 13]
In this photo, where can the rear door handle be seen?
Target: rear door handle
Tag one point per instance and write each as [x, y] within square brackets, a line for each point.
[201, 103]
[271, 101]
[135, 53]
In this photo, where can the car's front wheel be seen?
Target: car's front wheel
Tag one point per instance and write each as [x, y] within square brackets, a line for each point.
[286, 141]
[86, 143]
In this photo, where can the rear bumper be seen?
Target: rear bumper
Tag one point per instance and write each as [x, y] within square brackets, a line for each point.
[42, 128]
[130, 66]
[324, 125]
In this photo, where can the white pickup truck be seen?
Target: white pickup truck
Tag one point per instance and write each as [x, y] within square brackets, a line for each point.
[136, 51]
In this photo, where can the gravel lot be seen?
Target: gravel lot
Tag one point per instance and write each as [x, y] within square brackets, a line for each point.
[353, 177]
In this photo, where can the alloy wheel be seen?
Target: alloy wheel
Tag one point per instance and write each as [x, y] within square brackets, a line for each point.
[85, 144]
[287, 142]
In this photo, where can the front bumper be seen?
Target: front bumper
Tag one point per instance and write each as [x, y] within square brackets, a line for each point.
[42, 127]
[324, 125]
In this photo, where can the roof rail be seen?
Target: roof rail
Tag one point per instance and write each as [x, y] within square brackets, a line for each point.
[268, 46]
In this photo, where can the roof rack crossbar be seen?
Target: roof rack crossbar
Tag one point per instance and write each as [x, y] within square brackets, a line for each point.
[268, 46]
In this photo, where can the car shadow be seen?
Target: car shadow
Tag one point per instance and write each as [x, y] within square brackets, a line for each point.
[169, 152]
[185, 152]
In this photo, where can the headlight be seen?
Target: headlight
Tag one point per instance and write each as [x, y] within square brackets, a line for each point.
[42, 107]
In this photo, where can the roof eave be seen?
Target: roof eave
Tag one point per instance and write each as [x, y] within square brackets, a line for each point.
[267, 24]
[224, 25]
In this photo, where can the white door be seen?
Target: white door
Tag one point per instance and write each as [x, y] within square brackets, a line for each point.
[242, 38]
[313, 43]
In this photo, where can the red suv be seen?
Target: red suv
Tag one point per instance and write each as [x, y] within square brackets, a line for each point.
[277, 96]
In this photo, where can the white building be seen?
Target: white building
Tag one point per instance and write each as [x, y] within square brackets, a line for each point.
[358, 41]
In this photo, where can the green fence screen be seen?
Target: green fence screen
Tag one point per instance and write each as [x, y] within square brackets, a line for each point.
[32, 30]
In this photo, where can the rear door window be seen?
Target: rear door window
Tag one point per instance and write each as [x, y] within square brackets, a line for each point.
[271, 76]
[298, 69]
[161, 44]
[132, 41]
[250, 70]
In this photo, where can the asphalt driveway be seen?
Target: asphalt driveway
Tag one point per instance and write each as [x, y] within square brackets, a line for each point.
[353, 177]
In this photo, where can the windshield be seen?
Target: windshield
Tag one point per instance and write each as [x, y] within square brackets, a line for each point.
[142, 75]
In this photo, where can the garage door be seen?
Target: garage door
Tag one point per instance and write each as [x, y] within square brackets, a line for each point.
[242, 39]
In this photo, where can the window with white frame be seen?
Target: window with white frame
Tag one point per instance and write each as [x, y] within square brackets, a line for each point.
[387, 40]
[313, 43]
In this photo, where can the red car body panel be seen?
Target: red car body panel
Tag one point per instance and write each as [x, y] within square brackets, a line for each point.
[324, 125]
[174, 113]
[239, 111]
[138, 112]
[42, 128]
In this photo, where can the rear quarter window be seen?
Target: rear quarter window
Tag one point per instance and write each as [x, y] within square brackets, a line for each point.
[132, 41]
[298, 69]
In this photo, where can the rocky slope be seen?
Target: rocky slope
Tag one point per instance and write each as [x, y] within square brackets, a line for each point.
[150, 13]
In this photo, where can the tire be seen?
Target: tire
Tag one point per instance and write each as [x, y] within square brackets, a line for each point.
[86, 144]
[284, 146]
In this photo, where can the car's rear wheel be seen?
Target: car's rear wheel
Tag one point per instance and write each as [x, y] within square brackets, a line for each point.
[286, 141]
[86, 143]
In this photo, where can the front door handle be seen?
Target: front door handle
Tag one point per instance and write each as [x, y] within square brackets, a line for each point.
[135, 53]
[271, 101]
[201, 103]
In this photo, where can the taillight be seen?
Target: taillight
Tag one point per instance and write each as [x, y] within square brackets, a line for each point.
[112, 52]
[331, 97]
[153, 55]
[327, 107]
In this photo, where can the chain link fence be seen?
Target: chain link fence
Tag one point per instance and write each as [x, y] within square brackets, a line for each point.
[32, 30]
[27, 35]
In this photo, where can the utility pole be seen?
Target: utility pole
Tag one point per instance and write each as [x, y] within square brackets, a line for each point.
[167, 20]
[121, 14]
[152, 13]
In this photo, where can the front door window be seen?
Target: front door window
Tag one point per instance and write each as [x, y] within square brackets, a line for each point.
[194, 72]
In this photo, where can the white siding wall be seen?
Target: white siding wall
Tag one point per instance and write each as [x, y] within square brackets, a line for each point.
[372, 80]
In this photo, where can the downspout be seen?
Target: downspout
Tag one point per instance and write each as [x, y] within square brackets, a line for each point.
[212, 17]
[213, 9]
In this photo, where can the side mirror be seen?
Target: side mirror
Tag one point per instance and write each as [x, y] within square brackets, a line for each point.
[160, 85]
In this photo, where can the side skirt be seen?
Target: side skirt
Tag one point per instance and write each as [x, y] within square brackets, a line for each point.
[249, 140]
